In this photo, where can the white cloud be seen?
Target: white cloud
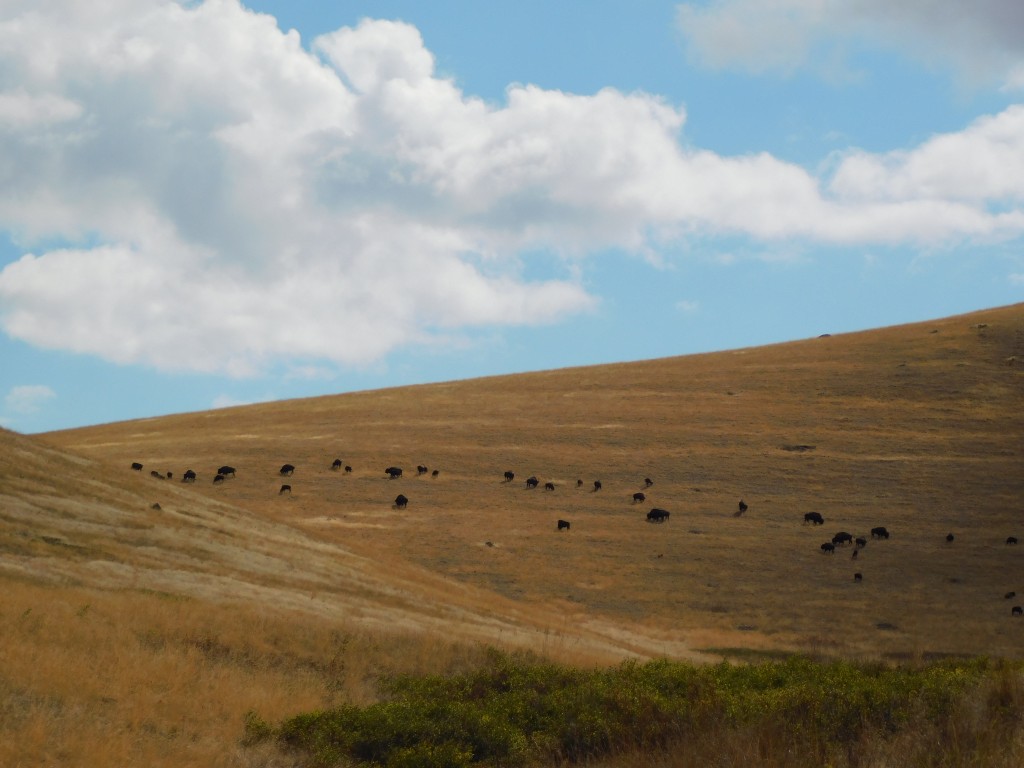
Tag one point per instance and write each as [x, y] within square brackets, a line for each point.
[980, 40]
[28, 398]
[687, 306]
[1017, 278]
[229, 200]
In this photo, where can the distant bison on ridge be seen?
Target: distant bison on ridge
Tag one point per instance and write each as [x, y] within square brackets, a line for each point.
[639, 497]
[393, 472]
[563, 525]
[287, 469]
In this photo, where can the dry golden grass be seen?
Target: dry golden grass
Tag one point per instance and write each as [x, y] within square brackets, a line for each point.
[136, 635]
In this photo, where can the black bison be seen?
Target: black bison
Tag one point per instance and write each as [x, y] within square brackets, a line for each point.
[657, 515]
[1009, 595]
[189, 476]
[435, 473]
[284, 489]
[861, 542]
[336, 465]
[742, 507]
[532, 482]
[814, 518]
[218, 479]
[1011, 539]
[648, 482]
[597, 486]
[348, 468]
[842, 538]
[136, 466]
[154, 473]
[510, 476]
[549, 486]
[858, 577]
[287, 469]
[1017, 611]
[880, 532]
[639, 497]
[401, 502]
[828, 548]
[949, 538]
[421, 470]
[563, 525]
[579, 483]
[393, 472]
[226, 471]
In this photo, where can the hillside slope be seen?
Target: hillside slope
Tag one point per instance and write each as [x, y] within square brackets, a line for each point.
[917, 428]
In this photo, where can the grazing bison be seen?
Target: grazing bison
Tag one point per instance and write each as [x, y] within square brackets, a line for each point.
[435, 473]
[861, 542]
[879, 532]
[828, 548]
[597, 486]
[814, 518]
[218, 479]
[532, 482]
[857, 577]
[421, 470]
[285, 489]
[348, 469]
[189, 476]
[639, 497]
[842, 538]
[510, 476]
[549, 486]
[136, 466]
[393, 472]
[1011, 539]
[1017, 611]
[563, 525]
[154, 473]
[287, 470]
[401, 502]
[742, 507]
[648, 482]
[949, 538]
[1009, 595]
[170, 475]
[579, 483]
[226, 470]
[336, 464]
[657, 515]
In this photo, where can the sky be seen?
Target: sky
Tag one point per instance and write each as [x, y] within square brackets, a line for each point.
[214, 203]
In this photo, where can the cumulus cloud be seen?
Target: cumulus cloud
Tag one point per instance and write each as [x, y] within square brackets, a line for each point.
[28, 398]
[227, 200]
[979, 40]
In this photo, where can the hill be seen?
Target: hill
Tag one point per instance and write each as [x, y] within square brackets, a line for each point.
[144, 615]
[916, 428]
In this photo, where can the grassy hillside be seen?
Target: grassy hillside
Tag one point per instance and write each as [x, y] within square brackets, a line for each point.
[139, 634]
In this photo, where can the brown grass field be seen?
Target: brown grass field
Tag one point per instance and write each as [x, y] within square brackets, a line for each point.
[135, 635]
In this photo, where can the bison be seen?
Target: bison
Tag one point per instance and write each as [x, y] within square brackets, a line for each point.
[814, 518]
[189, 476]
[742, 507]
[949, 538]
[510, 476]
[336, 465]
[1017, 611]
[639, 497]
[218, 479]
[435, 473]
[393, 472]
[858, 577]
[401, 502]
[348, 469]
[648, 482]
[657, 515]
[1011, 539]
[597, 486]
[563, 525]
[549, 486]
[226, 470]
[284, 489]
[880, 532]
[136, 466]
[532, 482]
[421, 470]
[828, 548]
[287, 470]
[842, 538]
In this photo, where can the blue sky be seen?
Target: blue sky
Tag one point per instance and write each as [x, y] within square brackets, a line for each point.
[213, 203]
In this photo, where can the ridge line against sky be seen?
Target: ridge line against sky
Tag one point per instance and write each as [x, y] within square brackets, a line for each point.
[213, 203]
